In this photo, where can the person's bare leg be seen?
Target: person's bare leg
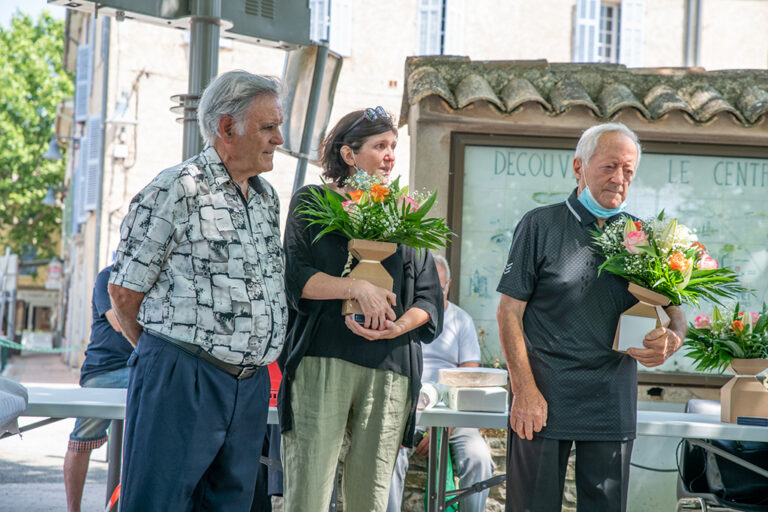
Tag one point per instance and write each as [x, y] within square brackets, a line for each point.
[75, 471]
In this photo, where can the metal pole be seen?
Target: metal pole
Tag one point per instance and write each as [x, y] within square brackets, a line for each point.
[115, 456]
[309, 120]
[105, 34]
[442, 469]
[689, 32]
[432, 470]
[203, 65]
[697, 44]
[3, 294]
[11, 325]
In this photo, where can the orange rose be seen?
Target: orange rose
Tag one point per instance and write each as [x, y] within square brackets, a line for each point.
[356, 195]
[678, 261]
[379, 192]
[738, 325]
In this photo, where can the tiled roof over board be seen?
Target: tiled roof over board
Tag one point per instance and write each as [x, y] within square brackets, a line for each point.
[604, 89]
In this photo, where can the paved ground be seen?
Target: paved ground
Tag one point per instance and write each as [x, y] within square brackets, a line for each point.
[30, 467]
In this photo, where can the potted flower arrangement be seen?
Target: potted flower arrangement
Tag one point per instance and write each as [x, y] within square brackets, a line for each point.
[664, 265]
[714, 341]
[375, 216]
[737, 340]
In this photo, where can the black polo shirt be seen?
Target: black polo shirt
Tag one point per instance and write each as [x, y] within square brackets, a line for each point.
[570, 322]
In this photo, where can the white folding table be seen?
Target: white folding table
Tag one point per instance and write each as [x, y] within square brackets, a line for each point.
[649, 423]
[59, 402]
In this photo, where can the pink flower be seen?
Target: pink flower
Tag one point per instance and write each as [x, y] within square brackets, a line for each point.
[635, 239]
[349, 205]
[707, 262]
[410, 202]
[702, 322]
[754, 317]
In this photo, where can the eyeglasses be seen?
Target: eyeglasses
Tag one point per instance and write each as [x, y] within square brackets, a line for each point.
[370, 114]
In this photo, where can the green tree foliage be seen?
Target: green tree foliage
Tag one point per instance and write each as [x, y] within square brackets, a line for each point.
[32, 83]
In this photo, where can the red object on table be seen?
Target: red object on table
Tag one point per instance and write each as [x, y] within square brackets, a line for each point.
[275, 377]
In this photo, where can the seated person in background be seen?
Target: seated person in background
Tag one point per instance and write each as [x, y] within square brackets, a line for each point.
[104, 367]
[456, 346]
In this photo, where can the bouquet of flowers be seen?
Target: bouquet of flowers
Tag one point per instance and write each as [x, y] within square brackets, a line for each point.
[378, 212]
[713, 341]
[665, 257]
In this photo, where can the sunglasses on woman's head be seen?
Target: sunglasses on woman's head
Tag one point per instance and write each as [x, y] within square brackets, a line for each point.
[373, 114]
[370, 114]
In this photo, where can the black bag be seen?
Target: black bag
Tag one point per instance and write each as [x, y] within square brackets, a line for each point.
[733, 482]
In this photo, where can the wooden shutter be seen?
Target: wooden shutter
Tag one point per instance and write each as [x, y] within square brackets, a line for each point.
[83, 74]
[631, 39]
[453, 43]
[585, 30]
[340, 38]
[92, 185]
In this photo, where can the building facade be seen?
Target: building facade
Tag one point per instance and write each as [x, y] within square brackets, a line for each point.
[126, 72]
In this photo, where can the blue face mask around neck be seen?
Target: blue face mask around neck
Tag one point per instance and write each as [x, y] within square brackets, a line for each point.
[590, 203]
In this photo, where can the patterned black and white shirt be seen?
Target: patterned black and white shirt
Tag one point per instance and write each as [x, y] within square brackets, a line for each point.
[209, 262]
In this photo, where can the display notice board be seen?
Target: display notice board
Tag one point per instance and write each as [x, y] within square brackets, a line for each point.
[723, 198]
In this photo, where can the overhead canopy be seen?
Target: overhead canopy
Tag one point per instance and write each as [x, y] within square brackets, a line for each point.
[281, 24]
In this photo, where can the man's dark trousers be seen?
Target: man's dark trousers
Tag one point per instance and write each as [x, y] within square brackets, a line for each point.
[193, 433]
[536, 474]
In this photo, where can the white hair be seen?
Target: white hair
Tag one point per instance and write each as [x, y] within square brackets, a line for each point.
[587, 145]
[440, 260]
[231, 93]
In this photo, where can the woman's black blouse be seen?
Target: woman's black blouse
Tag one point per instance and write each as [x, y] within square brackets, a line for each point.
[317, 328]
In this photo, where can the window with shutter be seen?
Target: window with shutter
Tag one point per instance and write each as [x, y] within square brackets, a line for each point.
[585, 30]
[609, 32]
[83, 74]
[92, 186]
[430, 26]
[631, 39]
[340, 40]
[608, 40]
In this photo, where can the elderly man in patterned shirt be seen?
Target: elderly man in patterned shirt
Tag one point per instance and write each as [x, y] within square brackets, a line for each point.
[197, 287]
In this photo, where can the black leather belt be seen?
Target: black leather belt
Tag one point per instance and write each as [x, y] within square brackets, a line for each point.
[235, 370]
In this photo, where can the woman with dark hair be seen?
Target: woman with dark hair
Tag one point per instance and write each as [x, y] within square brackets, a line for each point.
[340, 376]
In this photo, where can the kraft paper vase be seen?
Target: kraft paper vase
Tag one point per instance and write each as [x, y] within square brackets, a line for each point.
[744, 399]
[369, 268]
[641, 318]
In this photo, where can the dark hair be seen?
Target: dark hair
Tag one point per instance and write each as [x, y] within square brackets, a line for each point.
[351, 130]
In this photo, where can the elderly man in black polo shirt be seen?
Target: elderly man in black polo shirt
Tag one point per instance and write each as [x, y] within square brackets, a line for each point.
[557, 320]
